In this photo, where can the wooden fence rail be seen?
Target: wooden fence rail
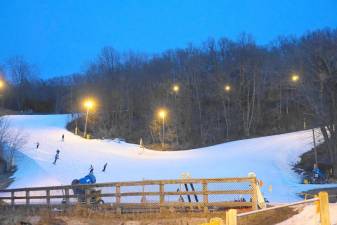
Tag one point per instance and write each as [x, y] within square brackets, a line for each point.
[205, 194]
[321, 201]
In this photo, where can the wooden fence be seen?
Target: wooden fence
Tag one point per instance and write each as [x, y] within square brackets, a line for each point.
[203, 194]
[321, 201]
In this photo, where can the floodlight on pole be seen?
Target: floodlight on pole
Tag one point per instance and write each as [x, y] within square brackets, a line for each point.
[162, 113]
[295, 78]
[88, 104]
[227, 88]
[2, 87]
[2, 84]
[175, 88]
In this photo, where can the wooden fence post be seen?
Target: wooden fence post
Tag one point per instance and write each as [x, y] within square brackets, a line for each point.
[205, 195]
[27, 197]
[231, 217]
[48, 196]
[324, 208]
[254, 194]
[87, 196]
[118, 199]
[12, 198]
[66, 192]
[216, 221]
[161, 196]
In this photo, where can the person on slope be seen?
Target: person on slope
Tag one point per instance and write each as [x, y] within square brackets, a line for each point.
[318, 175]
[37, 145]
[62, 137]
[56, 156]
[104, 167]
[91, 169]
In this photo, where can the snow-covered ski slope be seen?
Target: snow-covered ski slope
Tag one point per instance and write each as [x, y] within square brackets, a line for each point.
[271, 158]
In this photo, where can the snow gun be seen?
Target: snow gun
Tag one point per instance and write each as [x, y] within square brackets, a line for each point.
[80, 191]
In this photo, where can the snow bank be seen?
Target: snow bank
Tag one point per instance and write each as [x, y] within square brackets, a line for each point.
[271, 158]
[309, 216]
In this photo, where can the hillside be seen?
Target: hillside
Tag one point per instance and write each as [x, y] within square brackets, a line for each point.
[271, 158]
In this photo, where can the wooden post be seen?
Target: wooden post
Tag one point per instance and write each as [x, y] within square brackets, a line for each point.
[12, 198]
[48, 196]
[324, 208]
[216, 221]
[118, 199]
[205, 195]
[254, 194]
[27, 197]
[231, 217]
[87, 196]
[66, 192]
[161, 196]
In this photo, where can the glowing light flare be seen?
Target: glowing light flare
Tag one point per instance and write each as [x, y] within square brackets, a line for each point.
[89, 104]
[162, 113]
[227, 88]
[176, 88]
[295, 78]
[2, 84]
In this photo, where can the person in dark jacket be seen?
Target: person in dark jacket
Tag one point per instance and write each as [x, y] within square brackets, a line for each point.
[91, 170]
[104, 167]
[57, 156]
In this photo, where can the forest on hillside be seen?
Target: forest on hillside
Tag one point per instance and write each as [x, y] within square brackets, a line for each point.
[217, 91]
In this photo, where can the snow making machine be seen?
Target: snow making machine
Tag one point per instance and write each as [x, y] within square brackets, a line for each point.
[80, 192]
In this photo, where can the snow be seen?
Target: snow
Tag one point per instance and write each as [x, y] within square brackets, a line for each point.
[271, 158]
[309, 216]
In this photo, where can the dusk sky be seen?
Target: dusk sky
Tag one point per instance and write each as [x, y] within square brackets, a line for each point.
[60, 36]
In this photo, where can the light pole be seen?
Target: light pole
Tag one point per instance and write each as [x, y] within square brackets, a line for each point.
[226, 105]
[88, 104]
[176, 89]
[162, 114]
[2, 87]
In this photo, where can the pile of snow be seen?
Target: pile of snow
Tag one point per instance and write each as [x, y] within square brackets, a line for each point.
[271, 158]
[309, 216]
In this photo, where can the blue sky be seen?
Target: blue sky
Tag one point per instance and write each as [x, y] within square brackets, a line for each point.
[60, 36]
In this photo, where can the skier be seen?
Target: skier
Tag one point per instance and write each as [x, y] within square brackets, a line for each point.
[37, 145]
[104, 167]
[62, 137]
[91, 170]
[56, 156]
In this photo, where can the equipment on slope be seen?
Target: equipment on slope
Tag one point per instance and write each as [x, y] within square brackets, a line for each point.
[195, 196]
[188, 196]
[186, 175]
[316, 176]
[80, 192]
[260, 199]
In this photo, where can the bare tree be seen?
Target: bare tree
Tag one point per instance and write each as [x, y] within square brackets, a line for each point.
[4, 135]
[15, 141]
[21, 74]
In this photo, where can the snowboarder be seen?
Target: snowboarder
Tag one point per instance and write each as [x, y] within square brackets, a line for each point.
[104, 167]
[37, 145]
[62, 137]
[56, 156]
[91, 170]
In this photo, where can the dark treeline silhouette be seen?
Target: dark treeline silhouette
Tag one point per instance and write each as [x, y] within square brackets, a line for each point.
[228, 90]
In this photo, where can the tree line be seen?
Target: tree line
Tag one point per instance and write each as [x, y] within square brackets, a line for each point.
[228, 89]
